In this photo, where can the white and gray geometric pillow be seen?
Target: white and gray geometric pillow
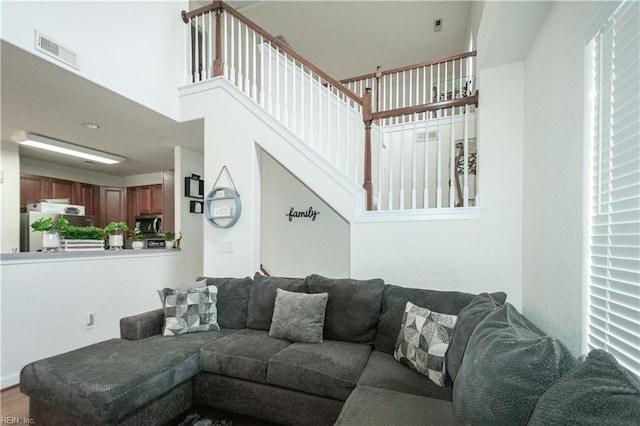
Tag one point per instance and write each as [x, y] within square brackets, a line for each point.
[190, 310]
[423, 341]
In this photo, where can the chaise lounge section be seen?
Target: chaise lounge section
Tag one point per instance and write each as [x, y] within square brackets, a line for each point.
[499, 367]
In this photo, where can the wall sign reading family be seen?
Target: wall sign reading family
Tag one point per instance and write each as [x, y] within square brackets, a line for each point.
[308, 214]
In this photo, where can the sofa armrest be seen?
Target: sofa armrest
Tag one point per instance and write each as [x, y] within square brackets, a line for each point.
[143, 325]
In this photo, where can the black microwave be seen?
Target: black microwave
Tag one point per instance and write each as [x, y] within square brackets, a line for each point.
[150, 225]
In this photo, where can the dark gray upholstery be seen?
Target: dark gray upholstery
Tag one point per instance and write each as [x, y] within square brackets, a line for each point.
[330, 368]
[274, 404]
[108, 380]
[597, 392]
[299, 317]
[263, 297]
[243, 355]
[383, 371]
[505, 369]
[142, 325]
[368, 406]
[468, 319]
[395, 299]
[353, 307]
[233, 300]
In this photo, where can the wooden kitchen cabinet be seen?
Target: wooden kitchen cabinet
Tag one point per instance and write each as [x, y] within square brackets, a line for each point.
[143, 200]
[87, 195]
[32, 190]
[59, 188]
[112, 206]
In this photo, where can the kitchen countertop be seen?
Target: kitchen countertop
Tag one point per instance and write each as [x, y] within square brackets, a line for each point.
[62, 256]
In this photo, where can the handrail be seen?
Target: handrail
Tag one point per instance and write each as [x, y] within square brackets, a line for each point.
[220, 5]
[433, 106]
[381, 72]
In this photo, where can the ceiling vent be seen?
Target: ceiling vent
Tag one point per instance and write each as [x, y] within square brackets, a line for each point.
[52, 48]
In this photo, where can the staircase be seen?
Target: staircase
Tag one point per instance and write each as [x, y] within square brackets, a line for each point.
[407, 135]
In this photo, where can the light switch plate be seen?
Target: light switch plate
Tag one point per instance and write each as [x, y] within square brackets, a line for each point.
[226, 246]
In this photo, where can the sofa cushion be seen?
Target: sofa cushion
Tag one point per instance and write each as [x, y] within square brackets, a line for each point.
[468, 319]
[423, 341]
[243, 355]
[189, 310]
[383, 371]
[298, 317]
[329, 369]
[395, 298]
[110, 379]
[263, 297]
[353, 307]
[374, 406]
[505, 369]
[233, 300]
[597, 392]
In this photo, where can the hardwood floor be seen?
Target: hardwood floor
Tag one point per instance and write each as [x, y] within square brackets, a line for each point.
[14, 403]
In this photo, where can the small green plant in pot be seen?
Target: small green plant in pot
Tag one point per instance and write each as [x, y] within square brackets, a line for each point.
[69, 232]
[50, 236]
[168, 238]
[115, 231]
[136, 238]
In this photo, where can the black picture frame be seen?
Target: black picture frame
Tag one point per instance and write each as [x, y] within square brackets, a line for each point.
[193, 187]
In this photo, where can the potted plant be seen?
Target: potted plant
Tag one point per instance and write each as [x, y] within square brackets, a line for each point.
[136, 238]
[50, 236]
[168, 238]
[115, 230]
[80, 238]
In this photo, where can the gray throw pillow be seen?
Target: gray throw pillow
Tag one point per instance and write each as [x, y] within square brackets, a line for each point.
[263, 297]
[597, 392]
[233, 300]
[505, 369]
[298, 317]
[468, 319]
[353, 308]
[199, 283]
[189, 310]
[423, 341]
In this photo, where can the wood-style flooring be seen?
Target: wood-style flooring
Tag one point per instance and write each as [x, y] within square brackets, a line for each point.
[14, 403]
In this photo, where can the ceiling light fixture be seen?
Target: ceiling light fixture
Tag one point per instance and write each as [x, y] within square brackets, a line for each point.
[54, 145]
[90, 125]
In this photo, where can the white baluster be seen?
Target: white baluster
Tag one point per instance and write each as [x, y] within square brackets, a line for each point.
[226, 47]
[465, 201]
[270, 91]
[402, 160]
[311, 131]
[439, 166]
[328, 133]
[262, 82]
[320, 140]
[390, 167]
[285, 80]
[196, 51]
[425, 187]
[347, 142]
[302, 105]
[453, 180]
[246, 60]
[294, 117]
[414, 194]
[240, 78]
[232, 46]
[210, 54]
[254, 77]
[381, 135]
[187, 53]
[277, 52]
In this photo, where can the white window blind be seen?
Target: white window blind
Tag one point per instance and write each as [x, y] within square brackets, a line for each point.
[614, 240]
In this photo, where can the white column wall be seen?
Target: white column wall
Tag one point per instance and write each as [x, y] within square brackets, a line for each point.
[553, 174]
[9, 197]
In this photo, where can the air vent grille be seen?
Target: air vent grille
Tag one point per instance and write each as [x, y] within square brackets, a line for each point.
[52, 48]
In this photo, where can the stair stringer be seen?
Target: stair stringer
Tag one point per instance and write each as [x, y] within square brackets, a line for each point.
[328, 182]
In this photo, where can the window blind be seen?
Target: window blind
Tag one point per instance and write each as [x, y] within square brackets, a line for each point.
[614, 240]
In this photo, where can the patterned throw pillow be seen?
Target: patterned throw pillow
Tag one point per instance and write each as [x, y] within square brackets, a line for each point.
[190, 310]
[423, 341]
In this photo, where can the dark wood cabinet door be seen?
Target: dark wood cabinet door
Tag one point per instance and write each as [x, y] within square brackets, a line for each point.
[112, 206]
[59, 188]
[87, 195]
[144, 200]
[32, 190]
[156, 199]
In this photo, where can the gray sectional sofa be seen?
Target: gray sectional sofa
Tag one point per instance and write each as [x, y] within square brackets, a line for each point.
[501, 369]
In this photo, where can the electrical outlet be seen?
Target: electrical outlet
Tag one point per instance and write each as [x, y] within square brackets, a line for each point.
[89, 320]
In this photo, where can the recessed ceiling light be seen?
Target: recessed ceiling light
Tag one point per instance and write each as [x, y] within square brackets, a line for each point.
[89, 125]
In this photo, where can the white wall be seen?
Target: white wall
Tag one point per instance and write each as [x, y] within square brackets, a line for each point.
[553, 169]
[300, 246]
[465, 255]
[44, 302]
[9, 197]
[120, 44]
[29, 166]
[191, 225]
